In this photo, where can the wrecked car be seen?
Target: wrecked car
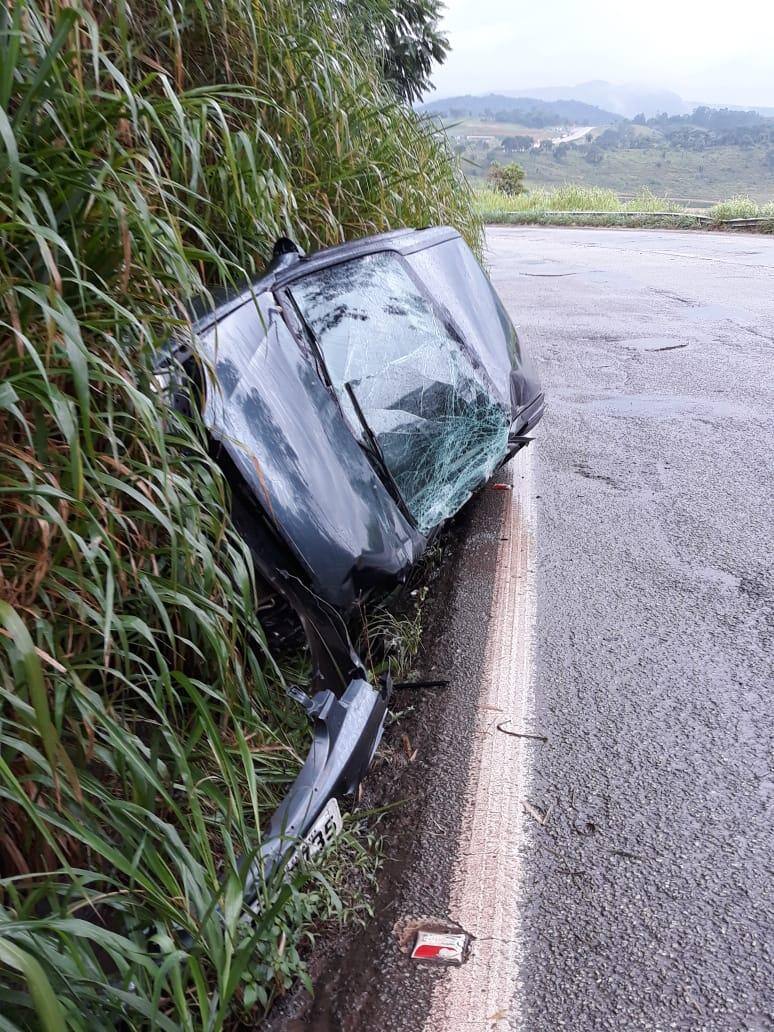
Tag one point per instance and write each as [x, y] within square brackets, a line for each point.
[356, 398]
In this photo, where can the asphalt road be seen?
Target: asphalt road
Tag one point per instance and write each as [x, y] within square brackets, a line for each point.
[644, 901]
[648, 901]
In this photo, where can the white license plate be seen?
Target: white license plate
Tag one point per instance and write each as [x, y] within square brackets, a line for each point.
[321, 834]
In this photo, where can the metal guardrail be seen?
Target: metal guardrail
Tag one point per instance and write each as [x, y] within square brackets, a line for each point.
[652, 214]
[738, 223]
[756, 221]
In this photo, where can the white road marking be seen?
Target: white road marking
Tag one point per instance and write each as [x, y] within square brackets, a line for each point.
[487, 890]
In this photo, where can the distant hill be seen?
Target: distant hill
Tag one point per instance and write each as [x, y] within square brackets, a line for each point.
[589, 103]
[623, 100]
[529, 111]
[767, 112]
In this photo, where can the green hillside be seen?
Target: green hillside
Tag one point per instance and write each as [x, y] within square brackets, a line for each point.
[703, 157]
[683, 175]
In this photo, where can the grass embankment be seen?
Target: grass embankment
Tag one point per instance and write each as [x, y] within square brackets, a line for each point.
[147, 155]
[702, 176]
[572, 204]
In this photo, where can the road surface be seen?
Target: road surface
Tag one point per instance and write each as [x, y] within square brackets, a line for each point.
[576, 134]
[619, 601]
[647, 900]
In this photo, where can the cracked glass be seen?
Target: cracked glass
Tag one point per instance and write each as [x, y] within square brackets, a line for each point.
[406, 383]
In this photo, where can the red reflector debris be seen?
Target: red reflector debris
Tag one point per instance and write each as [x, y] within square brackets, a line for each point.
[440, 947]
[502, 487]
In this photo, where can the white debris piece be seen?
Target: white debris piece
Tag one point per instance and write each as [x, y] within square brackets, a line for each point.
[440, 947]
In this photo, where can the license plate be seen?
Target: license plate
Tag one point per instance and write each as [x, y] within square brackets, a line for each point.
[321, 834]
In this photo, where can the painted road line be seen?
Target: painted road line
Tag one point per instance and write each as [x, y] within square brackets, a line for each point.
[486, 891]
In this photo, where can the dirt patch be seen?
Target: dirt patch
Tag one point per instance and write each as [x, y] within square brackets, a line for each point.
[350, 967]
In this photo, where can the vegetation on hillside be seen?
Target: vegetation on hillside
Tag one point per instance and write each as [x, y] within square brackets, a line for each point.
[149, 154]
[709, 154]
[572, 199]
[508, 179]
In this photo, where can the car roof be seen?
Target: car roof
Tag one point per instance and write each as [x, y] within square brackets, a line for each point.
[290, 267]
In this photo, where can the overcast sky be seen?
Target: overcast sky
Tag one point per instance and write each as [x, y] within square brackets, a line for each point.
[705, 50]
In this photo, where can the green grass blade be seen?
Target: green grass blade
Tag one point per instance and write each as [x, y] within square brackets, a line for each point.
[44, 999]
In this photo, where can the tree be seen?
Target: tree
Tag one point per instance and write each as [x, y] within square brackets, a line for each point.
[594, 155]
[609, 138]
[512, 144]
[407, 41]
[508, 178]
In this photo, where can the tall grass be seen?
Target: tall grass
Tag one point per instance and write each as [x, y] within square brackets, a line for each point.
[565, 198]
[569, 198]
[149, 153]
[741, 207]
[646, 201]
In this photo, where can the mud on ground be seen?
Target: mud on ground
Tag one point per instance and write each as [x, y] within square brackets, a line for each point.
[425, 792]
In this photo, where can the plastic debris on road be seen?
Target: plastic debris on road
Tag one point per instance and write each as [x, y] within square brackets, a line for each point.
[440, 947]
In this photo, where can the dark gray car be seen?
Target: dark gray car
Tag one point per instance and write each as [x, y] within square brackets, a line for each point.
[356, 399]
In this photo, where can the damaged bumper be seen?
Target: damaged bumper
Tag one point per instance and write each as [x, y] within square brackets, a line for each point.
[527, 419]
[347, 732]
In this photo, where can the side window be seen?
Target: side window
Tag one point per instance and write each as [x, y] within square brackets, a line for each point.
[233, 351]
[233, 344]
[399, 369]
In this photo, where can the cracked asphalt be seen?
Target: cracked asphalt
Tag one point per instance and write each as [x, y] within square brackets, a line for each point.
[645, 899]
[648, 895]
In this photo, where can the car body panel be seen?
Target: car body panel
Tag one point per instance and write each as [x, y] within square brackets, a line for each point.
[284, 432]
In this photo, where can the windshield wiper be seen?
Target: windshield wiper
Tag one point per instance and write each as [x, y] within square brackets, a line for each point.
[374, 450]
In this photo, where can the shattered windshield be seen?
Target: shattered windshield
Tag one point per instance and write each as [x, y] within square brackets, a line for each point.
[396, 366]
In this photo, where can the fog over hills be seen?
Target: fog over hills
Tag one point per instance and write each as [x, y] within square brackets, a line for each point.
[596, 102]
[626, 100]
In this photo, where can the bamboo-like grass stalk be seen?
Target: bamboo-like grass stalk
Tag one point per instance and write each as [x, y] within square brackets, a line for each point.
[149, 154]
